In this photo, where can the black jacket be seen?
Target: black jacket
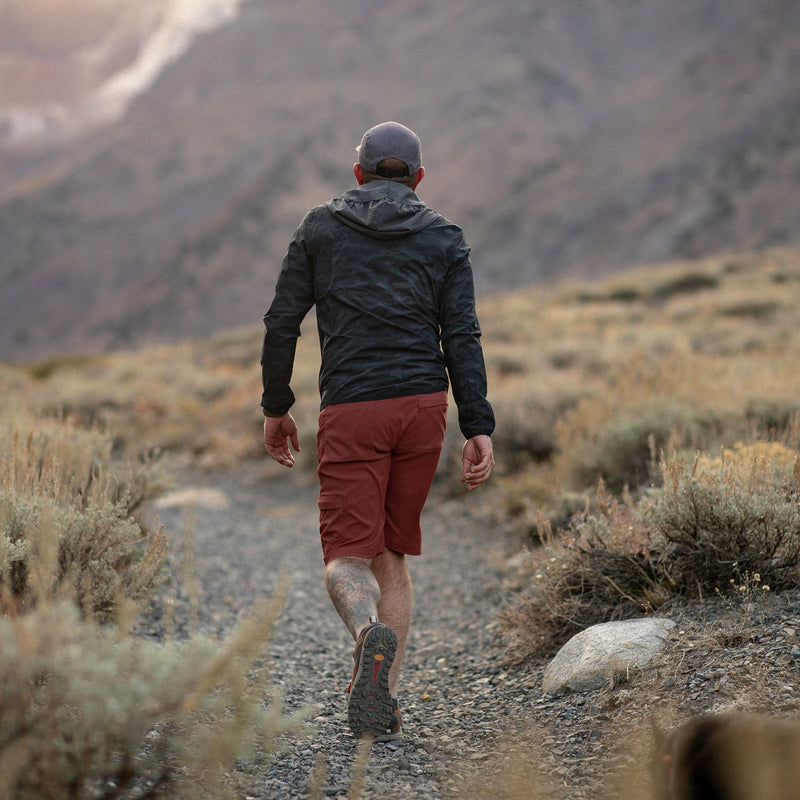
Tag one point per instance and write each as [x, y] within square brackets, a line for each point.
[392, 283]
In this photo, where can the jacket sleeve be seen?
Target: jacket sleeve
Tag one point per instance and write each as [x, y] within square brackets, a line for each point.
[460, 336]
[294, 296]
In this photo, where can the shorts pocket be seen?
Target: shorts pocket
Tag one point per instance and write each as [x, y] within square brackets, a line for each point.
[331, 500]
[432, 400]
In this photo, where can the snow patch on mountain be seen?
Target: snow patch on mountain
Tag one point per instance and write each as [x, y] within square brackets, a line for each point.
[171, 34]
[183, 21]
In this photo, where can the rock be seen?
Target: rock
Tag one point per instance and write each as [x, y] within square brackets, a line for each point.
[207, 498]
[589, 658]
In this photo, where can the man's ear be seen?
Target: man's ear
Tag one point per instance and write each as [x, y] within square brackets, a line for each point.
[419, 177]
[359, 173]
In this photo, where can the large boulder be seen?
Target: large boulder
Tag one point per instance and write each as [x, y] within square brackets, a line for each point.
[590, 658]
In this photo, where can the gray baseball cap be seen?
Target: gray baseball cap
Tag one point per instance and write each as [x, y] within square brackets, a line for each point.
[389, 140]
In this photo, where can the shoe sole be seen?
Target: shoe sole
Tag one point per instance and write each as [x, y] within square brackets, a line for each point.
[369, 708]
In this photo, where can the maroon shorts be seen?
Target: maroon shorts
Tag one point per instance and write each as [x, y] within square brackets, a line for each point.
[377, 459]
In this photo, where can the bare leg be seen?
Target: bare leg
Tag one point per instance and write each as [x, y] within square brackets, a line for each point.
[360, 589]
[354, 591]
[394, 608]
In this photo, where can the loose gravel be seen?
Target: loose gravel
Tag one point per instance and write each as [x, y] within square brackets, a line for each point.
[475, 723]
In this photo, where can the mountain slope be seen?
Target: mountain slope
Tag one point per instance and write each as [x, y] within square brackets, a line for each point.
[567, 138]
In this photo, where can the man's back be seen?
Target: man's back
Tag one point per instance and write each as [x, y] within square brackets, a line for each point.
[390, 278]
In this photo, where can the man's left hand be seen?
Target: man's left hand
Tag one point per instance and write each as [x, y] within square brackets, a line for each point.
[477, 461]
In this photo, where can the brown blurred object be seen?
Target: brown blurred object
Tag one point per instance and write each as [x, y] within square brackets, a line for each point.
[735, 756]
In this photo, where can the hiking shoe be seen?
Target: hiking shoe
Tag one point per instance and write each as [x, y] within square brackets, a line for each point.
[395, 729]
[370, 707]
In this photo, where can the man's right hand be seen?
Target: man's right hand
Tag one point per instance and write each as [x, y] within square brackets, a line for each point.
[278, 432]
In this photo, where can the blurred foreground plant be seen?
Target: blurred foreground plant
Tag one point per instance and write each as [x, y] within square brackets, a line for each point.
[92, 712]
[87, 710]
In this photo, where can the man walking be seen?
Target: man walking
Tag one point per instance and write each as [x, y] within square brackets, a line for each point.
[392, 283]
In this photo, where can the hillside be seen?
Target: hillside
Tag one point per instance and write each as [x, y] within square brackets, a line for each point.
[566, 138]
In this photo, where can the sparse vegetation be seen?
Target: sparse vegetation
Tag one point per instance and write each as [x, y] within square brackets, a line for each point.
[647, 448]
[61, 504]
[712, 527]
[686, 423]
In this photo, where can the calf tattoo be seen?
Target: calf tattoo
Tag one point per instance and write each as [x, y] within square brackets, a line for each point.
[354, 591]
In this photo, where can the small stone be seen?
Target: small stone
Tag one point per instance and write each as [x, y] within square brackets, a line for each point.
[403, 763]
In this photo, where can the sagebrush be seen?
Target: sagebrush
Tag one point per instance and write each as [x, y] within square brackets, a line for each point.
[90, 711]
[711, 525]
[59, 492]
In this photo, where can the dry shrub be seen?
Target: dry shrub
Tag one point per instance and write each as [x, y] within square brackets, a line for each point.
[91, 712]
[525, 431]
[100, 556]
[689, 282]
[717, 526]
[715, 520]
[601, 568]
[622, 453]
[60, 496]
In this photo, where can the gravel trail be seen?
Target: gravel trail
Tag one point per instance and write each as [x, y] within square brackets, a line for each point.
[253, 525]
[473, 725]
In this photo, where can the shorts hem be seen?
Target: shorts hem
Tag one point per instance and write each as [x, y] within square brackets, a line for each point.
[345, 552]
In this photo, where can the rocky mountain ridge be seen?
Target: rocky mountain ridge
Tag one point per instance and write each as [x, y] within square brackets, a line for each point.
[567, 139]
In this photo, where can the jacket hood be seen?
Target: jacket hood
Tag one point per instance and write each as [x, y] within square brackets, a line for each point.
[382, 210]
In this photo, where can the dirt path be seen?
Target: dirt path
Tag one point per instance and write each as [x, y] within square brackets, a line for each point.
[473, 727]
[250, 527]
